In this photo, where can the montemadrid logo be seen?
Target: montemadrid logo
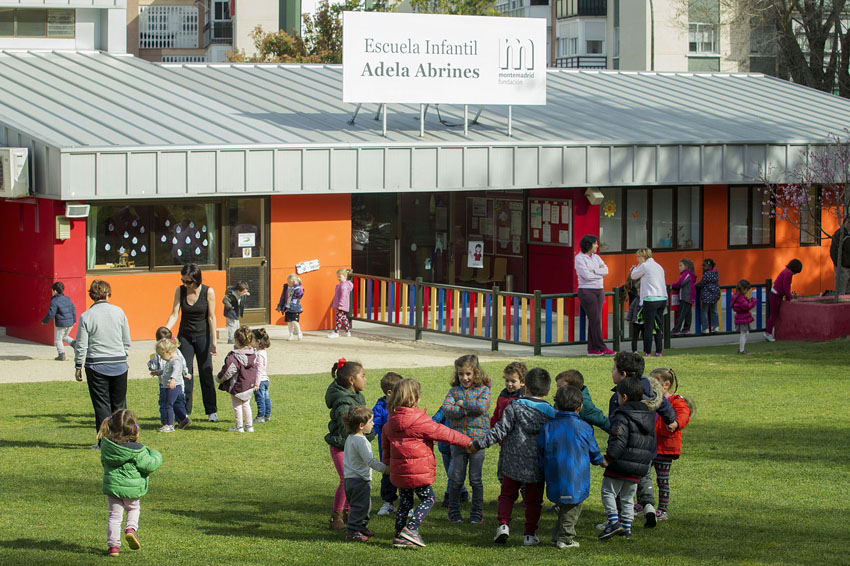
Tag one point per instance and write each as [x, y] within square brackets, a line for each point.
[516, 60]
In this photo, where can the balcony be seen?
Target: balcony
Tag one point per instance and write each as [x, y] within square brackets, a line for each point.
[220, 33]
[168, 27]
[566, 9]
[582, 62]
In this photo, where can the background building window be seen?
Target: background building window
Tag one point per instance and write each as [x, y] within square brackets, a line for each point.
[185, 233]
[702, 38]
[168, 27]
[59, 24]
[750, 221]
[810, 219]
[674, 215]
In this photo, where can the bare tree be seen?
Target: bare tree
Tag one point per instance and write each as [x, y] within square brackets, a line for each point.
[820, 184]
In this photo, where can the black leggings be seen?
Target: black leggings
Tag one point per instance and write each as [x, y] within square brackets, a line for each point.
[653, 313]
[199, 346]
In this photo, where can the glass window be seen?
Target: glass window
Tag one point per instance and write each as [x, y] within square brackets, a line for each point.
[185, 233]
[118, 236]
[662, 218]
[637, 216]
[702, 38]
[688, 217]
[810, 218]
[611, 221]
[594, 46]
[31, 23]
[751, 222]
[7, 22]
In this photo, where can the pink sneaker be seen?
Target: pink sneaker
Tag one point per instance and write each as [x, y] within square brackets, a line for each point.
[608, 352]
[113, 551]
[132, 539]
[595, 353]
[658, 354]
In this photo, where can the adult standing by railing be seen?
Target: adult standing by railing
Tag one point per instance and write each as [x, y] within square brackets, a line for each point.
[195, 303]
[101, 348]
[591, 270]
[653, 299]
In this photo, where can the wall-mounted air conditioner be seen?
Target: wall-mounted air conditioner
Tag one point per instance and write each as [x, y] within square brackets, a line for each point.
[14, 172]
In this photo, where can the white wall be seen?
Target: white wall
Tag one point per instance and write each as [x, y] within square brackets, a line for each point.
[250, 15]
[95, 28]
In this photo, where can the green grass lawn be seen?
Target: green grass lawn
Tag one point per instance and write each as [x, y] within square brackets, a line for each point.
[763, 477]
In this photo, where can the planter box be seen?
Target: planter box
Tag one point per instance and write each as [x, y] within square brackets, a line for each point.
[814, 319]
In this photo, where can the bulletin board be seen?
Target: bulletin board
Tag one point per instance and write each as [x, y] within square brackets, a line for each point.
[498, 223]
[550, 222]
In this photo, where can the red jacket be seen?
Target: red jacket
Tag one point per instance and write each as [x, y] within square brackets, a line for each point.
[407, 442]
[742, 307]
[670, 443]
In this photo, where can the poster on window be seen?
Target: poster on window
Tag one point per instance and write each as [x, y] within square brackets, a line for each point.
[475, 253]
[550, 222]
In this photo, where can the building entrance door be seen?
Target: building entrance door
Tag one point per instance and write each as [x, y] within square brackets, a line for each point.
[246, 227]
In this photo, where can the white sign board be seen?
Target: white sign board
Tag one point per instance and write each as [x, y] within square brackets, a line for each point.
[441, 59]
[307, 266]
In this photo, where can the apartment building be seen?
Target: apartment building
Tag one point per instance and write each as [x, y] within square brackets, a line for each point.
[580, 34]
[531, 9]
[69, 25]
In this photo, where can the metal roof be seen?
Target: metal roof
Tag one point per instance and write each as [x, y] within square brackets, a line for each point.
[176, 129]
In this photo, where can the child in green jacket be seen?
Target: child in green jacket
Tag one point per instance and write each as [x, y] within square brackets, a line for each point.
[590, 413]
[126, 467]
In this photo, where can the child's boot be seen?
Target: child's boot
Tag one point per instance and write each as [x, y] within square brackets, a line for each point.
[337, 523]
[298, 330]
[291, 331]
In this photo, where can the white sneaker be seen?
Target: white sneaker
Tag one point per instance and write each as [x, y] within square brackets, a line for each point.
[502, 534]
[291, 336]
[348, 334]
[649, 518]
[300, 335]
[235, 428]
[563, 545]
[530, 540]
[260, 420]
[249, 429]
[769, 337]
[386, 509]
[213, 417]
[333, 335]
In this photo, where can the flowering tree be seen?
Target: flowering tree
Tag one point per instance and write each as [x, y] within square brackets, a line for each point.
[819, 185]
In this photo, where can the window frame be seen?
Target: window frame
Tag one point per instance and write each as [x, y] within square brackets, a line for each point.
[818, 221]
[152, 267]
[696, 32]
[649, 221]
[749, 244]
[46, 35]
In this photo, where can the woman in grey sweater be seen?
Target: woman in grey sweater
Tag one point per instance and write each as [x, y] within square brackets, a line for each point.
[101, 348]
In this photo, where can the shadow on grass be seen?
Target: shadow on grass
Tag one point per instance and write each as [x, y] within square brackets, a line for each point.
[43, 444]
[52, 545]
[64, 420]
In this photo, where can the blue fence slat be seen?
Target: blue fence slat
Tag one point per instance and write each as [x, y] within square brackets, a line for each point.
[515, 318]
[548, 321]
[698, 316]
[463, 300]
[729, 312]
[441, 299]
[369, 313]
[759, 305]
[488, 307]
[391, 303]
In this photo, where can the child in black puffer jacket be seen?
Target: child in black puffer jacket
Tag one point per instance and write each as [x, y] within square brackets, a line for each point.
[631, 447]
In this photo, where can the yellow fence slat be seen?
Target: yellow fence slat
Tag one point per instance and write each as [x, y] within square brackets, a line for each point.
[434, 309]
[479, 314]
[405, 318]
[498, 308]
[456, 310]
[363, 298]
[560, 318]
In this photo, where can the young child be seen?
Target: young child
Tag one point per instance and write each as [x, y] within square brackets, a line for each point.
[344, 391]
[171, 400]
[408, 448]
[358, 464]
[632, 365]
[518, 460]
[566, 449]
[466, 407]
[290, 305]
[156, 365]
[234, 307]
[781, 289]
[261, 342]
[514, 389]
[686, 285]
[589, 412]
[709, 295]
[669, 437]
[631, 446]
[446, 454]
[342, 303]
[634, 316]
[62, 310]
[742, 304]
[126, 467]
[388, 490]
[240, 377]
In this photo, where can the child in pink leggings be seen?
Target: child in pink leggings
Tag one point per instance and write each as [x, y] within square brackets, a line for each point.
[344, 392]
[126, 467]
[240, 377]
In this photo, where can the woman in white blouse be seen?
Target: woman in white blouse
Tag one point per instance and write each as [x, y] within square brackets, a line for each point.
[590, 270]
[653, 299]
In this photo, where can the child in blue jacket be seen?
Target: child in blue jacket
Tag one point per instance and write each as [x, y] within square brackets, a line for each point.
[62, 310]
[388, 491]
[567, 448]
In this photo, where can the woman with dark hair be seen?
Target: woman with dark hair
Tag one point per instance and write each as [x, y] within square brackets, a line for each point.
[781, 290]
[101, 348]
[195, 303]
[590, 270]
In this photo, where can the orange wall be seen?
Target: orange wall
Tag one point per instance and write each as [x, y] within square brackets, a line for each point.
[147, 298]
[306, 227]
[755, 265]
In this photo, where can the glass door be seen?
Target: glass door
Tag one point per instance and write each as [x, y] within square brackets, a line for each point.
[245, 222]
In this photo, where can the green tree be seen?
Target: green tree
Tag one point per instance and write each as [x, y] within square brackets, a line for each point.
[456, 7]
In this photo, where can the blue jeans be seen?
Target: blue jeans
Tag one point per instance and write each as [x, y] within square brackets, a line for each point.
[460, 460]
[264, 403]
[447, 464]
[708, 310]
[171, 402]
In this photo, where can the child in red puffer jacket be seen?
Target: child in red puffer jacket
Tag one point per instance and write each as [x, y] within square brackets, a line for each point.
[668, 438]
[742, 304]
[407, 444]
